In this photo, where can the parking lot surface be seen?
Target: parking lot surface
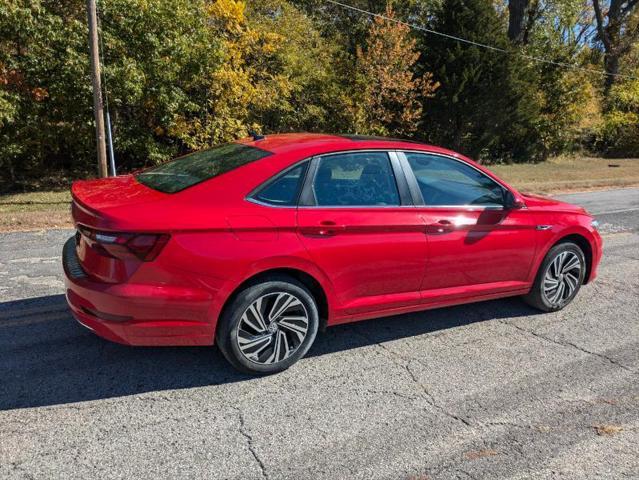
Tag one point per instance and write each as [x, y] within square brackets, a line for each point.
[488, 390]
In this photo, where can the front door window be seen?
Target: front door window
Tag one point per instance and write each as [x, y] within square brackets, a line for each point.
[447, 182]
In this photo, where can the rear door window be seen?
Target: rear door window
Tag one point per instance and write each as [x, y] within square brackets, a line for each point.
[355, 179]
[196, 167]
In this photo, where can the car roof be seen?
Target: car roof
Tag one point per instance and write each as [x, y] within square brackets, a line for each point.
[318, 143]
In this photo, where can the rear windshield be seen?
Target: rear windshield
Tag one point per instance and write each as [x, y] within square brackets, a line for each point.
[186, 171]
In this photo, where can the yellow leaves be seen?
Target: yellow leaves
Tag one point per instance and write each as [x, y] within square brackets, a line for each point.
[231, 88]
[625, 95]
[229, 14]
[390, 94]
[179, 128]
[271, 42]
[244, 85]
[241, 41]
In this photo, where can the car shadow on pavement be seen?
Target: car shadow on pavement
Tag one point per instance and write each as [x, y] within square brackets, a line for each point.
[46, 358]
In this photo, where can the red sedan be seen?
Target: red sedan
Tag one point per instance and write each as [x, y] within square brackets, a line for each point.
[257, 245]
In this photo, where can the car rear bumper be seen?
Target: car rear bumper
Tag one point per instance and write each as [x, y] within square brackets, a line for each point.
[137, 314]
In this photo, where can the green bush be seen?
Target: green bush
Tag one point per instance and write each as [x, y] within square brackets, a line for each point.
[156, 66]
[618, 135]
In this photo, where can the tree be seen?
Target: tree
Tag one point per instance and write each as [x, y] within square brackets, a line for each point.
[350, 27]
[486, 105]
[568, 98]
[618, 134]
[38, 98]
[618, 30]
[237, 86]
[155, 67]
[277, 74]
[521, 17]
[312, 66]
[389, 102]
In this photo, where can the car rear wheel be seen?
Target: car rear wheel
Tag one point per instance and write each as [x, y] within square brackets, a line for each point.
[559, 278]
[268, 326]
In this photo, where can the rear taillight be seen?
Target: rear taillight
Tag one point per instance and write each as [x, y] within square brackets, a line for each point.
[142, 246]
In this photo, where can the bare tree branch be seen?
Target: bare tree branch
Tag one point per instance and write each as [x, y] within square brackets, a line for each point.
[600, 24]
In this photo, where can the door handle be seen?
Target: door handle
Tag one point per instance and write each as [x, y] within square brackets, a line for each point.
[326, 228]
[442, 226]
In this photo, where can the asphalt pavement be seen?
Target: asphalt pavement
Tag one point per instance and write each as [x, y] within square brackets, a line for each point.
[492, 390]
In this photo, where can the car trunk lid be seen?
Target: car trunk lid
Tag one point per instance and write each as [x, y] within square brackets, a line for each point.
[105, 193]
[107, 248]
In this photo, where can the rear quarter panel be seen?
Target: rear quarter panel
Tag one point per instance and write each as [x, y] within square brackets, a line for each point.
[250, 241]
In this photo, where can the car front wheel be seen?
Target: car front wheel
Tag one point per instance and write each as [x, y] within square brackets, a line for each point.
[559, 278]
[268, 326]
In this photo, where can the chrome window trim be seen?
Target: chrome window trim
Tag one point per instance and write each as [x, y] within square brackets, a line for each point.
[421, 207]
[404, 164]
[264, 204]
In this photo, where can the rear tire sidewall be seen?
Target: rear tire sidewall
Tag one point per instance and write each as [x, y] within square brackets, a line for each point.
[229, 324]
[536, 297]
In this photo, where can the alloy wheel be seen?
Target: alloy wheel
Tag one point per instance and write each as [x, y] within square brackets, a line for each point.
[562, 278]
[272, 328]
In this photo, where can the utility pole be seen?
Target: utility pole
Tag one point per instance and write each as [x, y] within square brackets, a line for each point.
[97, 88]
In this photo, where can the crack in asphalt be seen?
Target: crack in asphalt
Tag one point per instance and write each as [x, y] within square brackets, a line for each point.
[431, 400]
[249, 443]
[568, 344]
[537, 430]
[404, 363]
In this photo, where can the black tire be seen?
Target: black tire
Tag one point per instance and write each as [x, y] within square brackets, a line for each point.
[231, 327]
[537, 297]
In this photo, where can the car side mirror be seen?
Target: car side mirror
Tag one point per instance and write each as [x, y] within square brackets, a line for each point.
[511, 202]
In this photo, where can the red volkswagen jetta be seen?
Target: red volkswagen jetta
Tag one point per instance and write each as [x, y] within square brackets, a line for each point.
[255, 245]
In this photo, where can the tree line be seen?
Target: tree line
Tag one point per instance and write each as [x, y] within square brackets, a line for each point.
[182, 75]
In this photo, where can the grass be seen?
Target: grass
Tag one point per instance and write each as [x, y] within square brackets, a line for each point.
[35, 201]
[50, 209]
[565, 174]
[35, 210]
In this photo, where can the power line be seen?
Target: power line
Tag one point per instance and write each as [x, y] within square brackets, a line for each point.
[481, 45]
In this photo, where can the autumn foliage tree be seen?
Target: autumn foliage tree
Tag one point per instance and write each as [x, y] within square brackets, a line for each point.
[276, 75]
[183, 75]
[388, 94]
[233, 88]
